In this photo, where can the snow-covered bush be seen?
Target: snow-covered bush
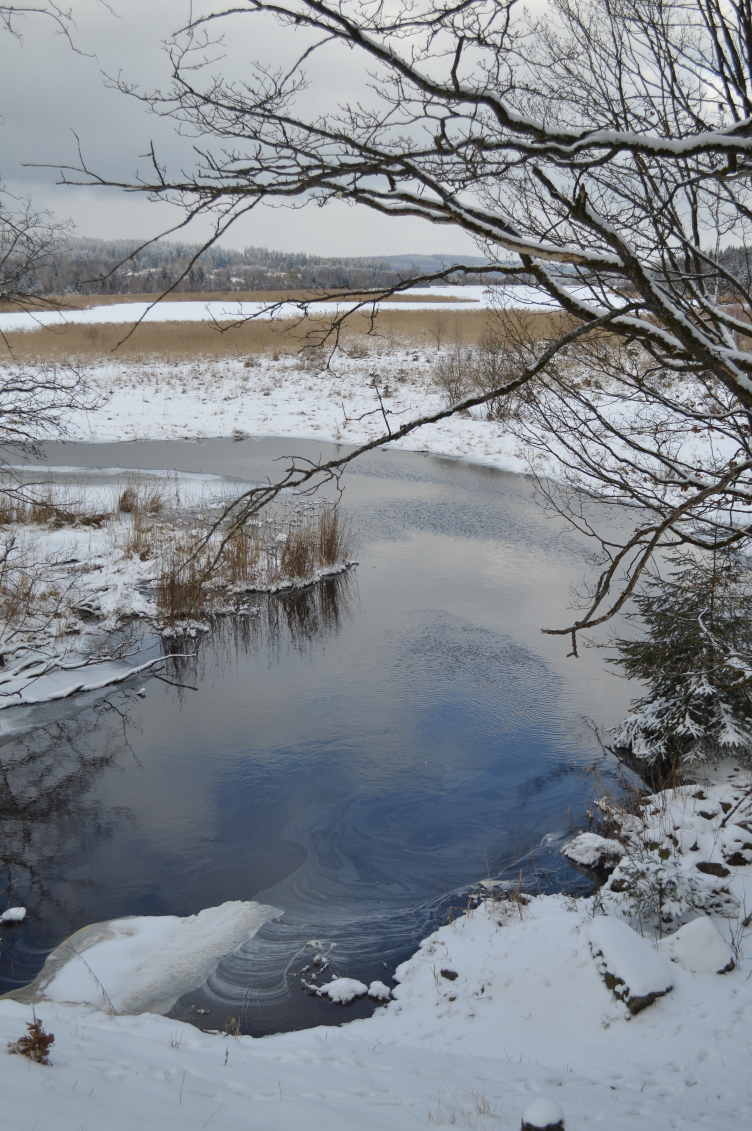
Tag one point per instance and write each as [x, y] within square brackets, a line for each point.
[696, 657]
[454, 373]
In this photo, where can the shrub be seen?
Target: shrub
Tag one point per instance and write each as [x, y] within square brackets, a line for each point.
[696, 658]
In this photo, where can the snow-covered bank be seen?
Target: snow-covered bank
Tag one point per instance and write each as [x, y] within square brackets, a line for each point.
[81, 568]
[204, 399]
[514, 1000]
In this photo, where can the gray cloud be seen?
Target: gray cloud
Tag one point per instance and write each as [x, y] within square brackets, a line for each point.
[48, 92]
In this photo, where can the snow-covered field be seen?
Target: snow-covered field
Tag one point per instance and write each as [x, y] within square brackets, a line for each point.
[202, 399]
[451, 298]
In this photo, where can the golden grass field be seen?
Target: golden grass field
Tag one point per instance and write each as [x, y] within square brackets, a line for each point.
[178, 341]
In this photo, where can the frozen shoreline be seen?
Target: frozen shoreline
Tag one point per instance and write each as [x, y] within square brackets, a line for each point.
[277, 399]
[520, 998]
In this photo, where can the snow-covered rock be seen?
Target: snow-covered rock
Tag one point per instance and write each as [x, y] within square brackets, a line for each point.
[699, 948]
[543, 1115]
[630, 965]
[379, 992]
[589, 850]
[13, 915]
[343, 990]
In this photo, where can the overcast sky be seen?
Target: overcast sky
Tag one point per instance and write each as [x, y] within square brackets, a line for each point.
[48, 93]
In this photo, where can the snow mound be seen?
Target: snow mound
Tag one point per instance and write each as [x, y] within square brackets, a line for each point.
[13, 915]
[379, 992]
[344, 990]
[631, 966]
[699, 948]
[143, 964]
[592, 851]
[541, 1115]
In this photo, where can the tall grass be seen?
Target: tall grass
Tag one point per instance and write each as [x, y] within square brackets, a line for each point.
[190, 341]
[46, 504]
[286, 549]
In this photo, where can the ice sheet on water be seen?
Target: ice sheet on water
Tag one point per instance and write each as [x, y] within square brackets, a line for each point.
[144, 964]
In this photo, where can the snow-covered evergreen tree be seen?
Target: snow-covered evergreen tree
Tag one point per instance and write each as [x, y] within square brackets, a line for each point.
[695, 655]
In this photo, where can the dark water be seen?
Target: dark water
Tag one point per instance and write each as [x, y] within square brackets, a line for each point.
[353, 755]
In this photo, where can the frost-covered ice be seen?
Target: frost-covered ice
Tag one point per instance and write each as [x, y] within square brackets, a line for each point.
[145, 962]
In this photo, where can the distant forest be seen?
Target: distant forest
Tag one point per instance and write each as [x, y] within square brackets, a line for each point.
[89, 266]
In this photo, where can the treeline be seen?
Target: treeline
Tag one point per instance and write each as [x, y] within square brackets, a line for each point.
[737, 261]
[108, 267]
[91, 266]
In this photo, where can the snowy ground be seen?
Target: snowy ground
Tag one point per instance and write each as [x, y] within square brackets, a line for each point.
[188, 400]
[508, 1003]
[80, 608]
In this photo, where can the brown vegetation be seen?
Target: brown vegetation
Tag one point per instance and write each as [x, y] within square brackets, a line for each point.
[180, 341]
[45, 508]
[35, 1044]
[251, 560]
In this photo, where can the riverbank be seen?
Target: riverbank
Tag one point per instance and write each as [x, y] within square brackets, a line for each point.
[518, 998]
[96, 568]
[282, 397]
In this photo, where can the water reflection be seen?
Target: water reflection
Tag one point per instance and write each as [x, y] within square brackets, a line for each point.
[296, 620]
[51, 820]
[354, 753]
[60, 823]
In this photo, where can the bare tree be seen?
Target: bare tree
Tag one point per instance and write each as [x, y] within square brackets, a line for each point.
[607, 145]
[35, 401]
[29, 241]
[12, 16]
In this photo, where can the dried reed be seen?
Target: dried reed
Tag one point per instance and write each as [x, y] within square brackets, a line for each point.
[286, 549]
[189, 341]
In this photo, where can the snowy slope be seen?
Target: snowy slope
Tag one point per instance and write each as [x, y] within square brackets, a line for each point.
[527, 1015]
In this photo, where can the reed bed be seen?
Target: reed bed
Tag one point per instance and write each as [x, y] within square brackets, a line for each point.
[47, 505]
[177, 342]
[151, 546]
[286, 549]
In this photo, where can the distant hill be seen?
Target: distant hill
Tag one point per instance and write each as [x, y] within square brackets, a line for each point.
[91, 266]
[423, 264]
